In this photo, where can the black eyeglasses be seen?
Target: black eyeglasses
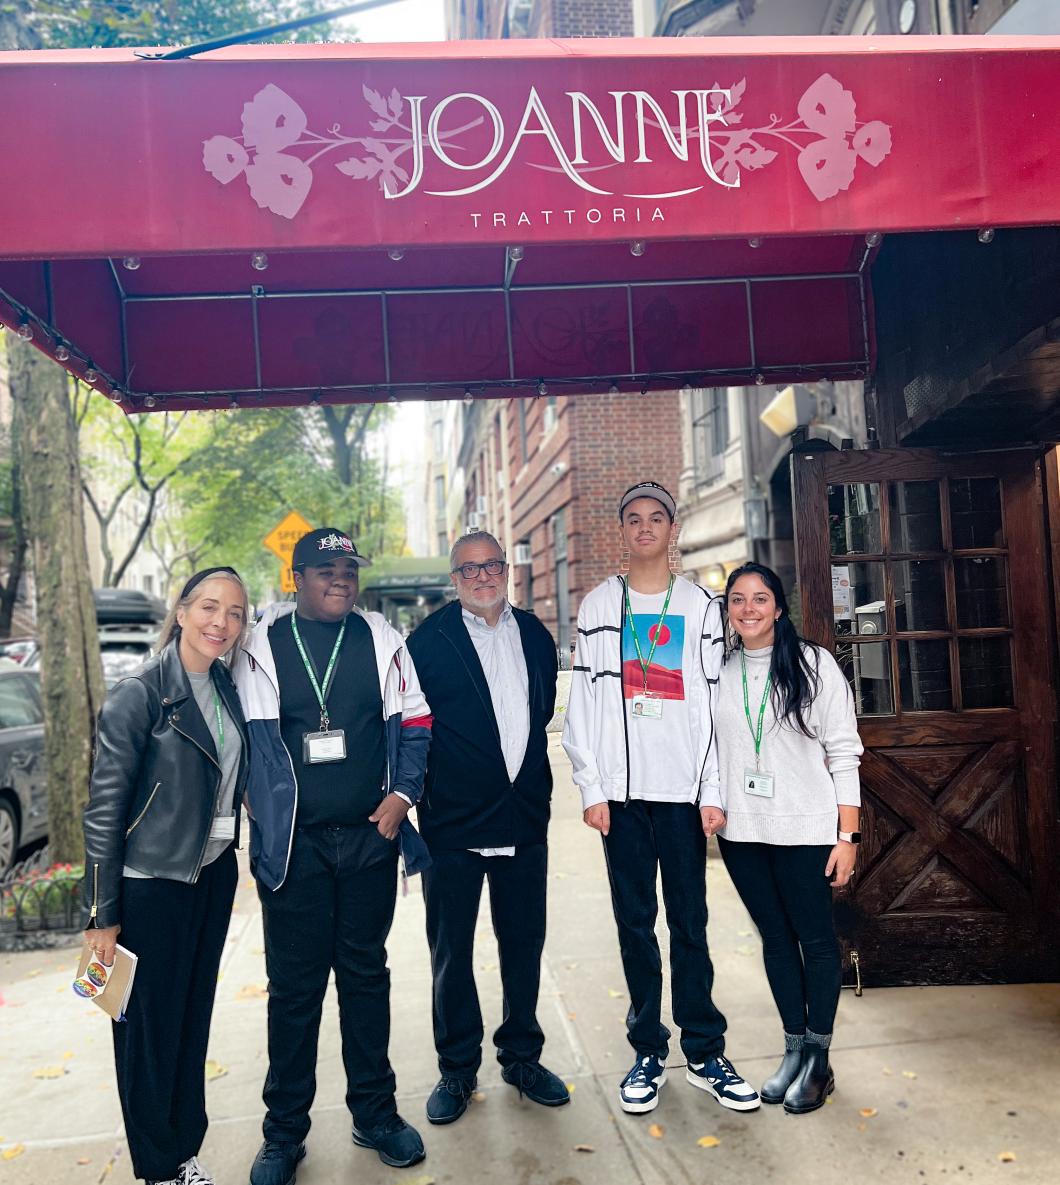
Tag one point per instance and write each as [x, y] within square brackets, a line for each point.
[490, 567]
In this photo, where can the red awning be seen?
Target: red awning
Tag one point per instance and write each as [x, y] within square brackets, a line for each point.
[351, 222]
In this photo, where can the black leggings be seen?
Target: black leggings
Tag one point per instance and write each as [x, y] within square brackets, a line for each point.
[789, 899]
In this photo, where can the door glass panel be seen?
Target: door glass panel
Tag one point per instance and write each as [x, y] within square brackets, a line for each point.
[924, 676]
[854, 519]
[857, 598]
[919, 594]
[916, 516]
[986, 672]
[867, 667]
[975, 512]
[982, 596]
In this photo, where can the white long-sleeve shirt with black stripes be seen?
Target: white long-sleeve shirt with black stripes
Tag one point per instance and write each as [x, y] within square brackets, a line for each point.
[610, 750]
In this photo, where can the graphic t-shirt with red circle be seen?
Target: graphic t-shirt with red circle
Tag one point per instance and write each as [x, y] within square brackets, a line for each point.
[661, 757]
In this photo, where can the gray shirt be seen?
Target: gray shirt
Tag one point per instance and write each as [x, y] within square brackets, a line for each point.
[208, 701]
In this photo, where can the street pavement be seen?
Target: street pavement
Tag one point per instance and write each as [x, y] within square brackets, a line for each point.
[935, 1085]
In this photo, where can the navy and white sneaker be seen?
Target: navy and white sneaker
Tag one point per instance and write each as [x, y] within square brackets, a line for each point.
[718, 1077]
[639, 1091]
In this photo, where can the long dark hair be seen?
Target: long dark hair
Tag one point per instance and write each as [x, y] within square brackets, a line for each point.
[794, 674]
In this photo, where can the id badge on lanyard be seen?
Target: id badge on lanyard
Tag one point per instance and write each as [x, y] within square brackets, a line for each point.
[329, 744]
[757, 781]
[647, 706]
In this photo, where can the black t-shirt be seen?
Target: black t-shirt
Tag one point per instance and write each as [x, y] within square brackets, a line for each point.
[335, 792]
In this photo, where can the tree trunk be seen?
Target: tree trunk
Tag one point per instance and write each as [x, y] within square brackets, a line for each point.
[71, 673]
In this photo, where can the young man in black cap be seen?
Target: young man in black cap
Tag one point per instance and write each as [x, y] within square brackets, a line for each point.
[339, 732]
[640, 735]
[490, 673]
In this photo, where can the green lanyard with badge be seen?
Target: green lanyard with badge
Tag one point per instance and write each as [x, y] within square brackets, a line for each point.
[223, 826]
[756, 781]
[649, 704]
[329, 744]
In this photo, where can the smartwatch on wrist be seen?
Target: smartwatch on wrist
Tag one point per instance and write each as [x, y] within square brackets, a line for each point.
[850, 836]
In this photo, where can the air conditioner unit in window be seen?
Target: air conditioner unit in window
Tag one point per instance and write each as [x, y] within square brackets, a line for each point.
[480, 504]
[549, 418]
[474, 521]
[522, 554]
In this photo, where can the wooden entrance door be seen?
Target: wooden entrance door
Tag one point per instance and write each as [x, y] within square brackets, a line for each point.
[927, 577]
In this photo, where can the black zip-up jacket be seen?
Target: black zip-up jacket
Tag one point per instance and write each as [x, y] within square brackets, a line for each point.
[469, 800]
[155, 779]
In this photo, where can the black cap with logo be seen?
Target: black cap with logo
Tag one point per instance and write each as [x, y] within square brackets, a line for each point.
[324, 546]
[649, 489]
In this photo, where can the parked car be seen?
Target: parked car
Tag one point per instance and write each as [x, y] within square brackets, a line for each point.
[23, 778]
[16, 649]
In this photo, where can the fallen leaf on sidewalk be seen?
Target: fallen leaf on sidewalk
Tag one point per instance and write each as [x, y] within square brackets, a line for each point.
[615, 995]
[656, 1131]
[888, 1071]
[489, 967]
[478, 1096]
[828, 1101]
[1004, 1157]
[422, 1179]
[83, 1160]
[744, 933]
[572, 1016]
[745, 950]
[908, 1073]
[68, 1055]
[868, 1112]
[13, 1151]
[50, 1072]
[708, 1141]
[560, 876]
[863, 1127]
[215, 1070]
[33, 974]
[584, 1148]
[251, 991]
[570, 1087]
[570, 966]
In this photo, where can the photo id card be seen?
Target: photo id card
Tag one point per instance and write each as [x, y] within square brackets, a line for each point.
[224, 827]
[758, 782]
[319, 747]
[647, 707]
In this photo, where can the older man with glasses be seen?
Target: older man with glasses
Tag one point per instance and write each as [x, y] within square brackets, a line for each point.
[489, 673]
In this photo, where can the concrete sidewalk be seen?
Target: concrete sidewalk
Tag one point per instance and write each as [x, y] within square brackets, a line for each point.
[934, 1084]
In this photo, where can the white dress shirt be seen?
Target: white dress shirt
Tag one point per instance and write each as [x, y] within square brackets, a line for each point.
[500, 651]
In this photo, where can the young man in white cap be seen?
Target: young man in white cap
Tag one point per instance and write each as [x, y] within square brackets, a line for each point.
[640, 735]
[339, 732]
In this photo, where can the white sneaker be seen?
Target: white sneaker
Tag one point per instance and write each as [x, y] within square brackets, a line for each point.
[192, 1173]
[717, 1076]
[639, 1091]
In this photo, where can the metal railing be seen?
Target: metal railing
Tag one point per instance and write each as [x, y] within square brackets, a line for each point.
[37, 895]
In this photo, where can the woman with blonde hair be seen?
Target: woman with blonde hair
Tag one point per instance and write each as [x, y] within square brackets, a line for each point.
[161, 829]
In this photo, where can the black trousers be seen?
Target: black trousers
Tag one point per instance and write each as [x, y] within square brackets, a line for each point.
[333, 912]
[646, 837]
[452, 888]
[789, 899]
[177, 931]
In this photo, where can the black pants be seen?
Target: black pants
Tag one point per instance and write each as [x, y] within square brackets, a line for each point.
[668, 837]
[333, 912]
[452, 888]
[177, 931]
[789, 899]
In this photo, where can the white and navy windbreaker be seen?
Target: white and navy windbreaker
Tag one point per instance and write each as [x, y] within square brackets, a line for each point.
[272, 790]
[595, 734]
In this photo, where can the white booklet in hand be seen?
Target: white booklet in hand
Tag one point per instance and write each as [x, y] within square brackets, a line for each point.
[107, 987]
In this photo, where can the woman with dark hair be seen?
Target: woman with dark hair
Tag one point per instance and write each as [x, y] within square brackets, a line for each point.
[161, 828]
[789, 752]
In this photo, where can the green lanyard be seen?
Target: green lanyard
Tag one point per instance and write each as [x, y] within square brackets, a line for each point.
[756, 734]
[644, 665]
[321, 692]
[220, 725]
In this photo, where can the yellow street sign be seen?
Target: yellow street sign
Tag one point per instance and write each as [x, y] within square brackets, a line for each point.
[282, 538]
[287, 579]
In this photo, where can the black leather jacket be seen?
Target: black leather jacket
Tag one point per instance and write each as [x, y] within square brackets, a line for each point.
[154, 783]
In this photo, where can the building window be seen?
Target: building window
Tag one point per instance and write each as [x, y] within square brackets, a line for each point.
[710, 432]
[443, 543]
[439, 494]
[438, 431]
[523, 451]
[149, 583]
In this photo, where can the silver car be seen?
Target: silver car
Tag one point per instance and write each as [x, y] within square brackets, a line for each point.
[23, 777]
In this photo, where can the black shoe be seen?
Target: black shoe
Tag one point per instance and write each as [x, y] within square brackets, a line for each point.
[775, 1087]
[276, 1163]
[398, 1144]
[538, 1084]
[449, 1099]
[813, 1083]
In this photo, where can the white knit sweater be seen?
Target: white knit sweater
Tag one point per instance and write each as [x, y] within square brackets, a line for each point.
[813, 776]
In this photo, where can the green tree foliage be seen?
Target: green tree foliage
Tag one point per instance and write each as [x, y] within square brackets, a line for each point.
[83, 23]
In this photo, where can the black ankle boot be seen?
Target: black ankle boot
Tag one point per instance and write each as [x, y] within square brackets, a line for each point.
[775, 1087]
[813, 1083]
